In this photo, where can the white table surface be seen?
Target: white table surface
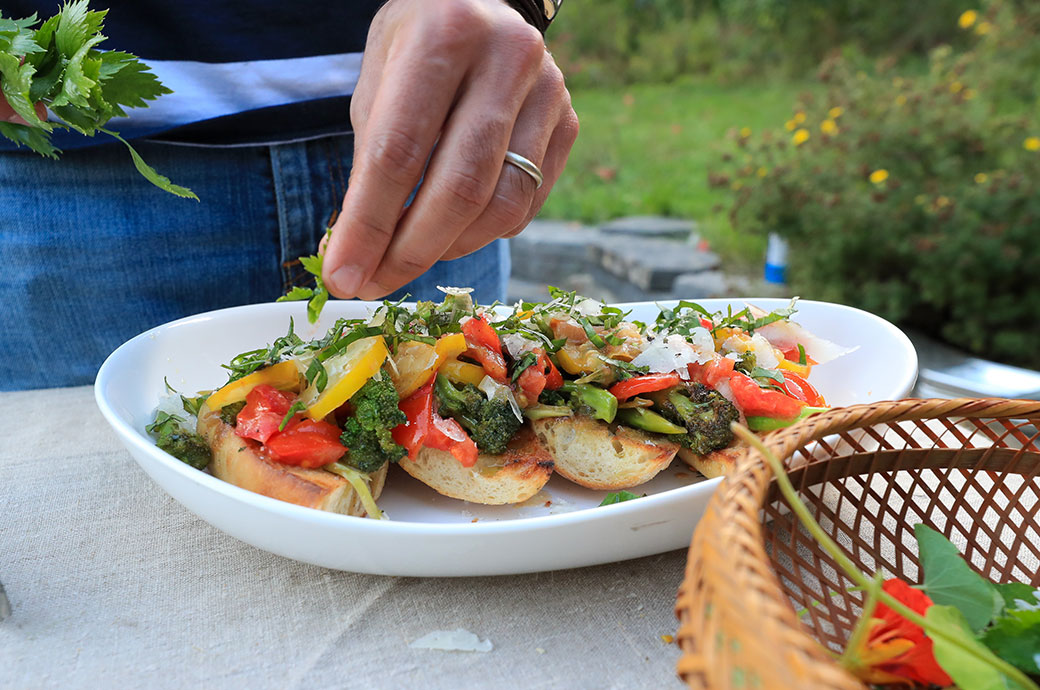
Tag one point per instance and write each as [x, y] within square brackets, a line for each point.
[114, 584]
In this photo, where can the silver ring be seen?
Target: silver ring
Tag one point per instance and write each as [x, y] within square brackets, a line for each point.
[527, 166]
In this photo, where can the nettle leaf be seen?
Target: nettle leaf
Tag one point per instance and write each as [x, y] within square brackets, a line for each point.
[75, 24]
[1015, 638]
[950, 581]
[967, 671]
[80, 77]
[125, 81]
[36, 139]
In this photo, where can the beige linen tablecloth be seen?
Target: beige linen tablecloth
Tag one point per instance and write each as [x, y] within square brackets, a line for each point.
[115, 585]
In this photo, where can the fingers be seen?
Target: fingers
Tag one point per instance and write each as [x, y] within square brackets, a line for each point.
[403, 122]
[545, 132]
[461, 177]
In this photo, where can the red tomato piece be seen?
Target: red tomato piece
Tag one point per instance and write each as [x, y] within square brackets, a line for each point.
[792, 354]
[718, 369]
[447, 434]
[637, 385]
[418, 408]
[755, 401]
[479, 333]
[306, 443]
[553, 378]
[707, 324]
[266, 407]
[539, 376]
[800, 389]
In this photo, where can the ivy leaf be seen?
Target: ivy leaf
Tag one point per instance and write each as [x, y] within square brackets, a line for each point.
[967, 671]
[950, 581]
[1015, 638]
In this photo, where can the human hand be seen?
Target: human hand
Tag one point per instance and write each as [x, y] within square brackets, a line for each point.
[472, 77]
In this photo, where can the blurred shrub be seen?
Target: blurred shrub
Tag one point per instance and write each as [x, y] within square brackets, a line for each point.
[915, 196]
[610, 42]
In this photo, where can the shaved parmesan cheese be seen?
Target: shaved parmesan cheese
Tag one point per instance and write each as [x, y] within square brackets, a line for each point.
[516, 345]
[378, 318]
[765, 356]
[455, 290]
[674, 353]
[588, 307]
[458, 640]
[787, 334]
[493, 389]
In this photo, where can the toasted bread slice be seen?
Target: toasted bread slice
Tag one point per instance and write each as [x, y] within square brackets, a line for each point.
[592, 454]
[240, 462]
[714, 464]
[511, 477]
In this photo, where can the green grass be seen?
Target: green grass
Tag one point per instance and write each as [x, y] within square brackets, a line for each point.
[648, 149]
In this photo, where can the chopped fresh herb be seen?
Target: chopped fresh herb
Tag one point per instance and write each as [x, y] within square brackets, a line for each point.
[618, 497]
[59, 65]
[801, 355]
[528, 359]
[183, 444]
[297, 406]
[318, 295]
[229, 413]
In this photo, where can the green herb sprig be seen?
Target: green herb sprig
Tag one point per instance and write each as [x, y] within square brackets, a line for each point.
[58, 64]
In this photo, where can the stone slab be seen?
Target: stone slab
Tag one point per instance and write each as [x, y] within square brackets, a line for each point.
[650, 226]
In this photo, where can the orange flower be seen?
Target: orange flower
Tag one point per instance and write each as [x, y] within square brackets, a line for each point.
[897, 650]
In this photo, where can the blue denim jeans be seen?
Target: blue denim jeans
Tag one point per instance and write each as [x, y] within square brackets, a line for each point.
[91, 254]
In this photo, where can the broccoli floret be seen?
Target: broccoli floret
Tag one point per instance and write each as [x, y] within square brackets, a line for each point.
[490, 423]
[705, 413]
[367, 433]
[229, 413]
[189, 448]
[555, 398]
[746, 362]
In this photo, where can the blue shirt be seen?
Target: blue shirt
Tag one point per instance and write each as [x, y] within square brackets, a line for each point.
[242, 71]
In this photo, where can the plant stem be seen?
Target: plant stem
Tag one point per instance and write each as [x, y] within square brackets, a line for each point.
[862, 629]
[854, 574]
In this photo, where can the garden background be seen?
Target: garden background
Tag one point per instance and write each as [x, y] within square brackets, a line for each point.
[895, 145]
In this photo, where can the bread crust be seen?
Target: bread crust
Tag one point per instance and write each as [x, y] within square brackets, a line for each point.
[715, 464]
[597, 456]
[510, 477]
[241, 462]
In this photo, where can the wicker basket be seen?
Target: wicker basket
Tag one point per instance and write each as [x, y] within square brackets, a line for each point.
[761, 604]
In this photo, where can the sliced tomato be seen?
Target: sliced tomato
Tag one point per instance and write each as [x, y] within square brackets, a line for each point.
[553, 378]
[485, 348]
[800, 389]
[637, 385]
[718, 369]
[447, 434]
[418, 408]
[265, 408]
[539, 376]
[755, 401]
[707, 323]
[569, 329]
[427, 428]
[306, 443]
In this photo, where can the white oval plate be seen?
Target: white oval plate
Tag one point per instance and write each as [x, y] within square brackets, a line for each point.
[428, 534]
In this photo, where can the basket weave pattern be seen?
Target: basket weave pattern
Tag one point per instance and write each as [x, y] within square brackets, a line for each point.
[761, 604]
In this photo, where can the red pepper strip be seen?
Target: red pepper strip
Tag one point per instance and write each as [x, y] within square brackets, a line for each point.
[792, 354]
[485, 348]
[418, 408]
[446, 434]
[265, 408]
[755, 401]
[718, 369]
[427, 428]
[800, 389]
[553, 378]
[623, 390]
[707, 324]
[306, 443]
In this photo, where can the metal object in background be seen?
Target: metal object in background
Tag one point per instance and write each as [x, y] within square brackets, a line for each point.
[5, 605]
[949, 373]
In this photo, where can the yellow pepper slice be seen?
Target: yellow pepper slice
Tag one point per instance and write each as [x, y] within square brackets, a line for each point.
[415, 363]
[794, 367]
[347, 373]
[449, 347]
[283, 376]
[463, 372]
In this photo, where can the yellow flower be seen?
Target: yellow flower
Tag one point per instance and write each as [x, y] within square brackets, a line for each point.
[967, 19]
[761, 172]
[800, 137]
[736, 185]
[956, 87]
[900, 99]
[879, 176]
[745, 132]
[969, 94]
[1030, 144]
[983, 28]
[981, 178]
[790, 125]
[799, 117]
[829, 127]
[942, 201]
[835, 112]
